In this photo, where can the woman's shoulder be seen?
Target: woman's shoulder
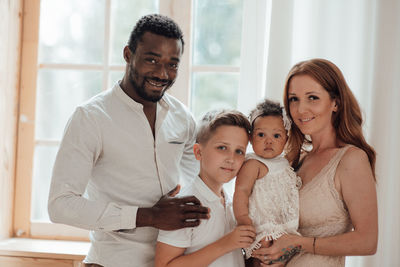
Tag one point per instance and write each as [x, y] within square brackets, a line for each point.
[354, 153]
[354, 158]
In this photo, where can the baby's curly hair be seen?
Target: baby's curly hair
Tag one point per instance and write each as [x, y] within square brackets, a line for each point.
[265, 108]
[212, 120]
[157, 24]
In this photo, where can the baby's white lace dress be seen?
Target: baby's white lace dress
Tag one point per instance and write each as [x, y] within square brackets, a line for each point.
[274, 201]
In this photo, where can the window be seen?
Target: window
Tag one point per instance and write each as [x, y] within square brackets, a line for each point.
[216, 54]
[72, 50]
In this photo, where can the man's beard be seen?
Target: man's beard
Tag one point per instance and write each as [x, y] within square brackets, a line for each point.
[140, 89]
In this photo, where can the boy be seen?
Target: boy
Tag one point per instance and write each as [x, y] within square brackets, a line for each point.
[220, 147]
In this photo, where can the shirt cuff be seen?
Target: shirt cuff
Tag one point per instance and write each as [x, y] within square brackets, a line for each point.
[128, 217]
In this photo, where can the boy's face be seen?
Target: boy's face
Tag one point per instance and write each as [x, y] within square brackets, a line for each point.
[222, 155]
[269, 136]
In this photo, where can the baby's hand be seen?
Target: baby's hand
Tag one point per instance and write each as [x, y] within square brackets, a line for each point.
[244, 220]
[241, 237]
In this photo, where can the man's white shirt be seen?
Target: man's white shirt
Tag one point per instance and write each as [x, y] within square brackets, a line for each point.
[109, 165]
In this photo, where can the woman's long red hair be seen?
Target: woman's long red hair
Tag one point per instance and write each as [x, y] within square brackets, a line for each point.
[347, 120]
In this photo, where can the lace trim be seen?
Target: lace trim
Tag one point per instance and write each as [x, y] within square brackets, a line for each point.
[281, 194]
[257, 243]
[278, 231]
[274, 202]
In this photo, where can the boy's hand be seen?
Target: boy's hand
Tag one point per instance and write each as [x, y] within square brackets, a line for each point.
[241, 237]
[173, 213]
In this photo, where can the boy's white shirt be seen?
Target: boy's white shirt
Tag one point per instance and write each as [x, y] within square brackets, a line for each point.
[221, 222]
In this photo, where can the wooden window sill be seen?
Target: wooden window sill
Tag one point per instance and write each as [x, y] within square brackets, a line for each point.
[38, 248]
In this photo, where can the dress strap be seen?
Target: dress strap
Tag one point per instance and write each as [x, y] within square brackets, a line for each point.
[338, 156]
[331, 177]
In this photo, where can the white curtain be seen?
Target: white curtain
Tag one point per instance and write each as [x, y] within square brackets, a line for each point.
[384, 130]
[362, 37]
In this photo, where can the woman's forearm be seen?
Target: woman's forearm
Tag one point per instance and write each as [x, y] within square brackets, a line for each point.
[348, 244]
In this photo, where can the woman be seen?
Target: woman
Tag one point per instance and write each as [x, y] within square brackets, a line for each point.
[337, 170]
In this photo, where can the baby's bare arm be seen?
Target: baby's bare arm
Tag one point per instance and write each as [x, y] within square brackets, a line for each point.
[245, 180]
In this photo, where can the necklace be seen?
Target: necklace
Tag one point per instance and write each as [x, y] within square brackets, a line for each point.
[222, 198]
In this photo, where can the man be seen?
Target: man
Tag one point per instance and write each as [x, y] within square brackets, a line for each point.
[124, 151]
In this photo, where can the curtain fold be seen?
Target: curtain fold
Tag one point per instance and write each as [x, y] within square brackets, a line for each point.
[385, 131]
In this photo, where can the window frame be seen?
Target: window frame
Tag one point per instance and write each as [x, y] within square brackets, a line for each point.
[26, 114]
[181, 11]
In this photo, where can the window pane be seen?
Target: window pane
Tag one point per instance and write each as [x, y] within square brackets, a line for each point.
[58, 93]
[213, 91]
[71, 31]
[115, 76]
[43, 164]
[124, 14]
[217, 32]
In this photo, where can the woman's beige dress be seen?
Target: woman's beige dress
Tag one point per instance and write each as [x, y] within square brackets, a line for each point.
[322, 214]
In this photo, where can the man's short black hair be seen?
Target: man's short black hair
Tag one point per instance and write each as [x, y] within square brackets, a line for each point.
[157, 24]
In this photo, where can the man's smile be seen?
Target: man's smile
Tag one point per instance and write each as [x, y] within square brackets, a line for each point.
[158, 83]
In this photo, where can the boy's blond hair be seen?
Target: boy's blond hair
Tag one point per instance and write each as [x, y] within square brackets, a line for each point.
[217, 118]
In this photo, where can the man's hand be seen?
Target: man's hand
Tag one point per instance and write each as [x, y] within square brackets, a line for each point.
[173, 213]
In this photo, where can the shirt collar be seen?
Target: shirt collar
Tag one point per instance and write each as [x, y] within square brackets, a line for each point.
[206, 191]
[132, 103]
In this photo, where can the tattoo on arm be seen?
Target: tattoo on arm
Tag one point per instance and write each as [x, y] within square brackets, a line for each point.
[288, 254]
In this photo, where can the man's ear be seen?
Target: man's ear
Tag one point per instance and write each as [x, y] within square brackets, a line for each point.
[197, 151]
[127, 54]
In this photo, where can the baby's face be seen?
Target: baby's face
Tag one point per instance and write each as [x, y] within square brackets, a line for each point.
[269, 136]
